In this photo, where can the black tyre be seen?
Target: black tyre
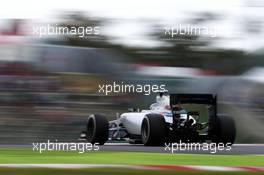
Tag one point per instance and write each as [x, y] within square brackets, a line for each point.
[97, 129]
[226, 132]
[153, 130]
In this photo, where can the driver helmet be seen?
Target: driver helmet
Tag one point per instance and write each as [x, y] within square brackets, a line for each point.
[163, 100]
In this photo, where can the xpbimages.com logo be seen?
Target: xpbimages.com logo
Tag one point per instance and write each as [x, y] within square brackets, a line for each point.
[178, 31]
[54, 29]
[79, 147]
[207, 147]
[145, 89]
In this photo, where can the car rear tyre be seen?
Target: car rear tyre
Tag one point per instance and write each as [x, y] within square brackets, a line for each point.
[226, 129]
[153, 130]
[97, 129]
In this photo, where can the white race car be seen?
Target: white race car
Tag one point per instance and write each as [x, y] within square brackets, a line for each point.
[165, 121]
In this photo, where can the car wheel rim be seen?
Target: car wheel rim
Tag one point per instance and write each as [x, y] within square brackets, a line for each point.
[145, 131]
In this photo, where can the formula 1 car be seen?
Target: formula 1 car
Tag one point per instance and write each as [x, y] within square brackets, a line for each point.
[165, 121]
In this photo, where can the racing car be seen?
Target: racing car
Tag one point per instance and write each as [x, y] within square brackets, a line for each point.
[166, 121]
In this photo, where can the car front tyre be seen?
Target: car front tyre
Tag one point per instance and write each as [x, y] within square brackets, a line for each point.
[153, 130]
[97, 129]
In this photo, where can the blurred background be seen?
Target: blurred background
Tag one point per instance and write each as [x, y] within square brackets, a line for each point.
[49, 84]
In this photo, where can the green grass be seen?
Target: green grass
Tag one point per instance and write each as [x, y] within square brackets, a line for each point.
[26, 156]
[108, 171]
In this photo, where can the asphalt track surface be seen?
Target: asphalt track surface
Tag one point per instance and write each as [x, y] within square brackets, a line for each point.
[236, 149]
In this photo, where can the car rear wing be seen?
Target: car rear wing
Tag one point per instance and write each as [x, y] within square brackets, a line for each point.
[207, 99]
